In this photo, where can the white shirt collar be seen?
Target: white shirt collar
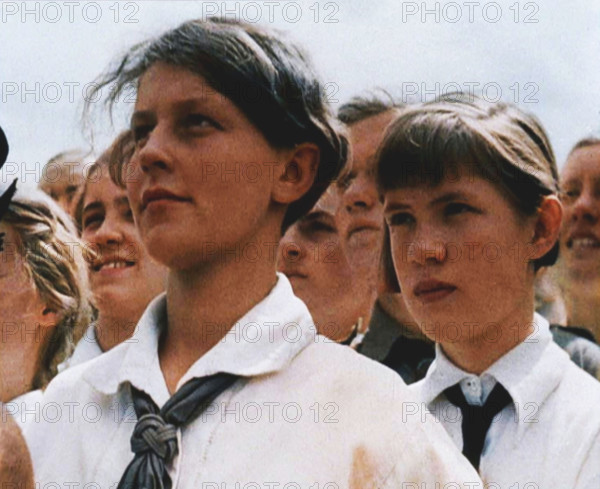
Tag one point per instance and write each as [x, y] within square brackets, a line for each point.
[525, 372]
[263, 341]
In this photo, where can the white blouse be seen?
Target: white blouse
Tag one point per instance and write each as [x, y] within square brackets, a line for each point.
[307, 413]
[548, 437]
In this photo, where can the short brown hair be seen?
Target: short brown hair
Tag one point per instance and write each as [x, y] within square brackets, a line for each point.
[497, 141]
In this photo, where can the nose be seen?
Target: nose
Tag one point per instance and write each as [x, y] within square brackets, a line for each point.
[153, 154]
[428, 248]
[361, 195]
[585, 208]
[291, 248]
[109, 233]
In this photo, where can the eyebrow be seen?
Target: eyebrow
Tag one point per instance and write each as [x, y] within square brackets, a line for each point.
[443, 199]
[92, 206]
[2, 241]
[141, 116]
[315, 215]
[449, 197]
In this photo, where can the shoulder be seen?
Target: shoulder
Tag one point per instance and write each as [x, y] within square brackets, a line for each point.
[584, 352]
[343, 367]
[567, 396]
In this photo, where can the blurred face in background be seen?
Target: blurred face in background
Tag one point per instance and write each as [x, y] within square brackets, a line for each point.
[362, 214]
[312, 256]
[580, 233]
[62, 179]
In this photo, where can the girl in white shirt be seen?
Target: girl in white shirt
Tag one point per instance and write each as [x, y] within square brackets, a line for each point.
[226, 384]
[470, 199]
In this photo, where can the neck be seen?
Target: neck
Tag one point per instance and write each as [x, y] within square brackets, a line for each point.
[582, 301]
[112, 329]
[204, 303]
[480, 351]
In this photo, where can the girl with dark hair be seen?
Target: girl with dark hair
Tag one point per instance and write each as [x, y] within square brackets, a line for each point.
[226, 383]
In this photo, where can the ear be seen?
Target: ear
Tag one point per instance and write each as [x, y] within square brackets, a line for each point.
[49, 318]
[298, 175]
[547, 226]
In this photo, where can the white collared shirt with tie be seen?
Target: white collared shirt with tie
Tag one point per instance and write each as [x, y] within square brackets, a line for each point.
[307, 413]
[548, 437]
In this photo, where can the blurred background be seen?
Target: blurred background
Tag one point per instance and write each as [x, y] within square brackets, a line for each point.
[545, 56]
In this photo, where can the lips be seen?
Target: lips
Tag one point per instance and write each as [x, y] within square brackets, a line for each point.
[582, 241]
[157, 194]
[112, 264]
[433, 290]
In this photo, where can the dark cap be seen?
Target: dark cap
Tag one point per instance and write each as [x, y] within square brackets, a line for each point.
[7, 193]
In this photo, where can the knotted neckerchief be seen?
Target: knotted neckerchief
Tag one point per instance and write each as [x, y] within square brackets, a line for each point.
[154, 439]
[477, 419]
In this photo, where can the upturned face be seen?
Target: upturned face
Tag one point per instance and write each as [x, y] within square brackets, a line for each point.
[201, 177]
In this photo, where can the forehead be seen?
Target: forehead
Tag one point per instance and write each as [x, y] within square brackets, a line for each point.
[102, 188]
[470, 186]
[583, 162]
[162, 81]
[59, 178]
[365, 137]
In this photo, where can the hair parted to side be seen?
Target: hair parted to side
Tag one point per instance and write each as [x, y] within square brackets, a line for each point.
[54, 259]
[461, 133]
[268, 78]
[359, 108]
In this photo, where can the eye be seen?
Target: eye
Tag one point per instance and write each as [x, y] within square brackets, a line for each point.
[129, 214]
[199, 121]
[456, 208]
[92, 221]
[345, 182]
[400, 219]
[318, 226]
[141, 132]
[570, 194]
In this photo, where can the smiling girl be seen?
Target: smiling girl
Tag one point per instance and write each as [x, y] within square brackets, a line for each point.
[470, 199]
[123, 277]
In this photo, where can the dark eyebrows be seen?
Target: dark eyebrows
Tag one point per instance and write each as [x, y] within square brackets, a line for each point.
[397, 206]
[141, 117]
[443, 199]
[148, 116]
[316, 215]
[449, 197]
[92, 206]
[2, 241]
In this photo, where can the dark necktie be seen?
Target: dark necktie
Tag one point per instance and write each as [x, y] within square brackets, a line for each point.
[476, 420]
[154, 439]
